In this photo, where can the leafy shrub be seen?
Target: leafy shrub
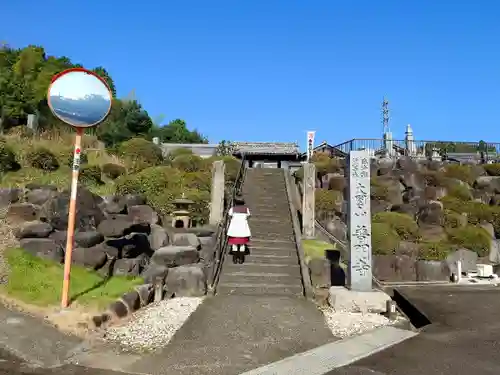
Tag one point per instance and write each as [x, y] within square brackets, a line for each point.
[189, 163]
[327, 201]
[460, 172]
[492, 169]
[200, 209]
[299, 174]
[140, 153]
[179, 151]
[434, 178]
[160, 185]
[336, 183]
[65, 157]
[113, 171]
[90, 175]
[460, 192]
[201, 180]
[477, 212]
[454, 219]
[452, 203]
[435, 250]
[7, 158]
[43, 159]
[471, 237]
[403, 224]
[385, 240]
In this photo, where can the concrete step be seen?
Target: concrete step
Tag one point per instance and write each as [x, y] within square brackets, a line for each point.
[270, 232]
[279, 207]
[251, 265]
[260, 290]
[275, 237]
[266, 242]
[287, 252]
[266, 257]
[259, 278]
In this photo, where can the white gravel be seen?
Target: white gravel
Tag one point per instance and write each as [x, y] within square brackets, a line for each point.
[345, 324]
[154, 326]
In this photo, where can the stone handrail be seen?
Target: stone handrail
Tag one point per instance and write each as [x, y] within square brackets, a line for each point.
[304, 270]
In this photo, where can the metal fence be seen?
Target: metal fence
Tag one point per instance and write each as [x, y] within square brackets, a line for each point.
[450, 149]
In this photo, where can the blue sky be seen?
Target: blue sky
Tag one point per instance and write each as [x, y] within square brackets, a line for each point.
[270, 70]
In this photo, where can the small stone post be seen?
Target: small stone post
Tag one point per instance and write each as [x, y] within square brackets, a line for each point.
[359, 223]
[308, 202]
[217, 201]
[158, 289]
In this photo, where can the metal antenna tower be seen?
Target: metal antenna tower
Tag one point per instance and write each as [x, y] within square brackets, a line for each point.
[385, 116]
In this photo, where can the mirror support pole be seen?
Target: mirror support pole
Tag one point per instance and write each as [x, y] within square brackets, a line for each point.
[71, 218]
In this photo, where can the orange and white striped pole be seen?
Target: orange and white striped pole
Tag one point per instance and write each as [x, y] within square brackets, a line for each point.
[71, 218]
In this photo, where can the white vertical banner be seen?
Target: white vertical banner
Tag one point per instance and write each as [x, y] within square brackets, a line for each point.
[310, 144]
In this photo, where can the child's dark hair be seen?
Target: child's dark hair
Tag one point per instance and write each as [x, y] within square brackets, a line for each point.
[239, 200]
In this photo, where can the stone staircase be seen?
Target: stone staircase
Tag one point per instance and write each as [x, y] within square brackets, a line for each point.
[272, 268]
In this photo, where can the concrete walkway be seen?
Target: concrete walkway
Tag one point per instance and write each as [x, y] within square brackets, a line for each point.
[463, 339]
[229, 335]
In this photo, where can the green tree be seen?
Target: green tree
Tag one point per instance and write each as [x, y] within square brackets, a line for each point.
[176, 131]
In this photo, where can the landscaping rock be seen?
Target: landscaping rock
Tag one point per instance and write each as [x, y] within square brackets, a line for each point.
[152, 271]
[394, 268]
[43, 248]
[118, 226]
[9, 196]
[114, 204]
[186, 239]
[37, 186]
[93, 257]
[131, 246]
[204, 231]
[21, 212]
[158, 237]
[129, 267]
[88, 239]
[143, 214]
[345, 300]
[40, 196]
[33, 229]
[494, 255]
[132, 300]
[133, 200]
[88, 213]
[146, 293]
[186, 281]
[119, 309]
[173, 256]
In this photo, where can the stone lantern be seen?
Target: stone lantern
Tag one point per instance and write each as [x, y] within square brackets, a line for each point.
[181, 214]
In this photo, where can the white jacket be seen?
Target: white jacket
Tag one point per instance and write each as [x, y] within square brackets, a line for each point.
[238, 227]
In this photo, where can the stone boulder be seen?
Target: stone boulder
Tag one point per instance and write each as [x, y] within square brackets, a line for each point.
[113, 204]
[93, 257]
[186, 281]
[9, 196]
[143, 214]
[174, 256]
[186, 239]
[158, 237]
[88, 213]
[40, 196]
[432, 270]
[394, 268]
[33, 229]
[82, 239]
[131, 245]
[133, 200]
[154, 271]
[43, 248]
[121, 225]
[21, 212]
[130, 267]
[337, 227]
[431, 214]
[319, 269]
[37, 186]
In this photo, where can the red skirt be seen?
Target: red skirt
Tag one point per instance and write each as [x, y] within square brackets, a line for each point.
[238, 240]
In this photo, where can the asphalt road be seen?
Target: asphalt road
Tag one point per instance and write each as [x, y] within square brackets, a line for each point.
[463, 339]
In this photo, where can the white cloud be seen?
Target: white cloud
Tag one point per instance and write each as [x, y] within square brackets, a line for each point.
[76, 85]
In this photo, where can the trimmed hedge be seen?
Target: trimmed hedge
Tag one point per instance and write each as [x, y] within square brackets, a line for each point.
[471, 237]
[43, 159]
[404, 225]
[435, 250]
[385, 240]
[460, 172]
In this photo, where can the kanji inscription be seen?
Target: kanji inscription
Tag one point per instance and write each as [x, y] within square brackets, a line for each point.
[360, 267]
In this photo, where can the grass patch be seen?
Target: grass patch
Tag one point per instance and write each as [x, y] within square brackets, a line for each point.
[38, 282]
[316, 249]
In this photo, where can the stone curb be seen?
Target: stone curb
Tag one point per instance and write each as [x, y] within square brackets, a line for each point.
[341, 353]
